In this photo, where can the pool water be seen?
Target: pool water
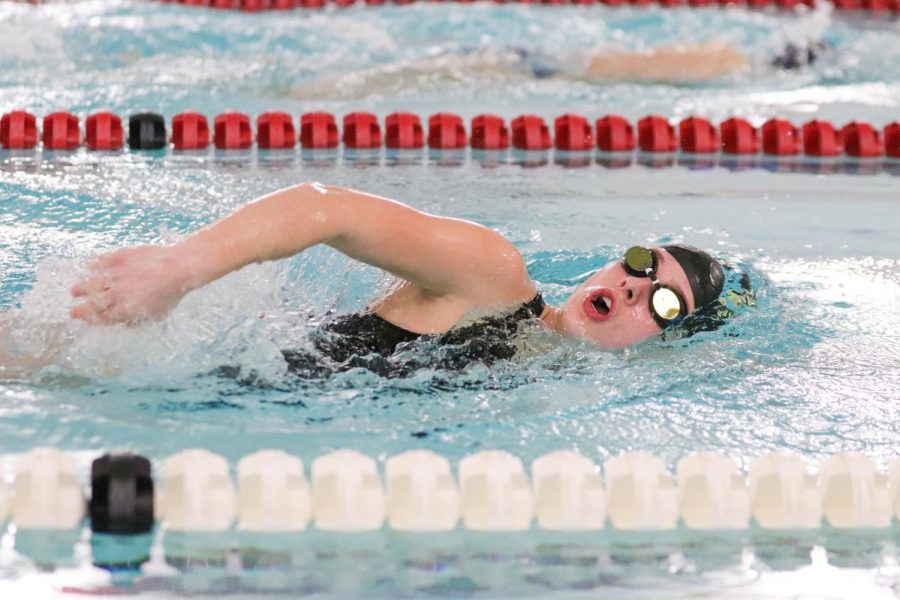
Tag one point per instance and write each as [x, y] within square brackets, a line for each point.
[813, 369]
[126, 55]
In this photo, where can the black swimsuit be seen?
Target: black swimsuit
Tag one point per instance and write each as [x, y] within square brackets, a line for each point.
[368, 341]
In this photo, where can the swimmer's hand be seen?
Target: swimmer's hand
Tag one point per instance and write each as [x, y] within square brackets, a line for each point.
[131, 285]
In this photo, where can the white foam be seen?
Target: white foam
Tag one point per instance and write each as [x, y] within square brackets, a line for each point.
[29, 37]
[222, 321]
[810, 26]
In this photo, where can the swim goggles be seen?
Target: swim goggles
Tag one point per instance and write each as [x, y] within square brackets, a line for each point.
[666, 305]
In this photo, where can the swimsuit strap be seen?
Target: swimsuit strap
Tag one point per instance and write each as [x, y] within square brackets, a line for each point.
[536, 305]
[394, 334]
[367, 340]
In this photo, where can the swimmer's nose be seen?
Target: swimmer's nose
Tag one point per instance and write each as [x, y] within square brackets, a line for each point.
[631, 291]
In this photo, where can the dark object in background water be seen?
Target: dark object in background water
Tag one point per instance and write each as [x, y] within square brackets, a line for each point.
[796, 56]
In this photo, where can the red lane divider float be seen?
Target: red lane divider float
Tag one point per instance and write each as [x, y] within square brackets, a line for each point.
[655, 134]
[18, 130]
[876, 7]
[892, 140]
[614, 134]
[861, 140]
[489, 132]
[232, 131]
[872, 6]
[820, 138]
[361, 130]
[61, 131]
[190, 131]
[318, 130]
[446, 131]
[698, 136]
[103, 131]
[530, 132]
[571, 133]
[404, 131]
[739, 137]
[780, 138]
[275, 131]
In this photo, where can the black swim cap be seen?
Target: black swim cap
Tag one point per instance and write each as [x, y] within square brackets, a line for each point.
[703, 272]
[795, 56]
[708, 277]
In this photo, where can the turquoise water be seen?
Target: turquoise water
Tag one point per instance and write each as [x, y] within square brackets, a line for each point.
[126, 55]
[812, 370]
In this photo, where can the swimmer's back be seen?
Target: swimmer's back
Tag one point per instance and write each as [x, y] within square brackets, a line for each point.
[366, 340]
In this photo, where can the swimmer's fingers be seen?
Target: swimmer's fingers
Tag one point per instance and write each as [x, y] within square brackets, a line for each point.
[95, 309]
[109, 308]
[109, 262]
[84, 311]
[91, 286]
[121, 313]
[112, 265]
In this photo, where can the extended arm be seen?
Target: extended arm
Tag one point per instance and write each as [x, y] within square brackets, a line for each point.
[439, 256]
[669, 64]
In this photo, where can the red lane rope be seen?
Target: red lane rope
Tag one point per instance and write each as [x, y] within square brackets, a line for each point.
[275, 130]
[873, 6]
[877, 7]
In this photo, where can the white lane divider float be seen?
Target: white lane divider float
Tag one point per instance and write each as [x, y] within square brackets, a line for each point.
[421, 492]
[347, 492]
[5, 497]
[894, 484]
[640, 493]
[47, 492]
[197, 492]
[854, 493]
[274, 494]
[712, 492]
[494, 492]
[783, 495]
[568, 492]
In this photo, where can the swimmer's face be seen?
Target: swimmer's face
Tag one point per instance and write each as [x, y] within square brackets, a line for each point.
[612, 308]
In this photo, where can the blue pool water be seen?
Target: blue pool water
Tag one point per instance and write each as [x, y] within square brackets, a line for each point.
[812, 370]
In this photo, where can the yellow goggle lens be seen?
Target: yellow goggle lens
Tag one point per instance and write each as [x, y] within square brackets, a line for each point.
[639, 258]
[666, 304]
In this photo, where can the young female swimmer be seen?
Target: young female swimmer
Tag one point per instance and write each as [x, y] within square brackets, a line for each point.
[447, 268]
[673, 64]
[676, 64]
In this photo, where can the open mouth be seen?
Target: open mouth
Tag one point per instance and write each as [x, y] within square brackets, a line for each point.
[600, 304]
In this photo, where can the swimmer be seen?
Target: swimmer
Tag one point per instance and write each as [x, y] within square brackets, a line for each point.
[676, 64]
[448, 270]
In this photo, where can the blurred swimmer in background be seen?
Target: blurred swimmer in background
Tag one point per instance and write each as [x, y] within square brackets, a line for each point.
[675, 64]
